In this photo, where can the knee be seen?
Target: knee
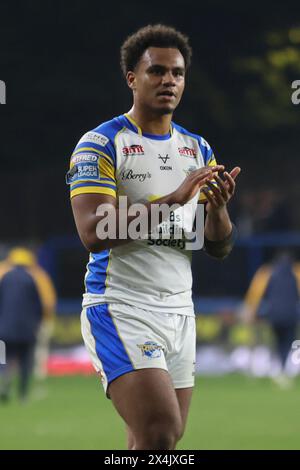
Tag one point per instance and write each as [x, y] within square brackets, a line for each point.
[162, 434]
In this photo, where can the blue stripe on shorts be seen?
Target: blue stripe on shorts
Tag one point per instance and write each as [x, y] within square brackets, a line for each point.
[109, 347]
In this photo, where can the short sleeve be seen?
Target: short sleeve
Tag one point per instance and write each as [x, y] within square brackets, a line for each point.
[92, 166]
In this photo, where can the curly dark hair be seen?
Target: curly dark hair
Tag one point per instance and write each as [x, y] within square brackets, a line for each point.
[157, 35]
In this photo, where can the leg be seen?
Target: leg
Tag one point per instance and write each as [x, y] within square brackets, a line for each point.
[6, 372]
[25, 358]
[5, 381]
[130, 439]
[184, 396]
[288, 335]
[147, 402]
[284, 337]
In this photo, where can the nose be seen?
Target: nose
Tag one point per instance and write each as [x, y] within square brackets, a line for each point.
[168, 79]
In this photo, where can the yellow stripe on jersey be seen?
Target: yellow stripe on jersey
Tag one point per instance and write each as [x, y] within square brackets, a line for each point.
[93, 190]
[134, 123]
[97, 182]
[117, 135]
[106, 170]
[104, 183]
[202, 197]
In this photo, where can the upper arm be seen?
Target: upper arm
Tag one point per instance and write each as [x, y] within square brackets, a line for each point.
[84, 207]
[92, 181]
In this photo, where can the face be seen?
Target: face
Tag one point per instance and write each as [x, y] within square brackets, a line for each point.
[158, 79]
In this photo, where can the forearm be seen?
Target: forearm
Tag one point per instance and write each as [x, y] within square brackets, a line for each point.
[122, 225]
[103, 222]
[217, 225]
[219, 235]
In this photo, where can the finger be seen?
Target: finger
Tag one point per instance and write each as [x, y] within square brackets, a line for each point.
[216, 167]
[202, 177]
[210, 198]
[217, 193]
[230, 183]
[222, 186]
[235, 172]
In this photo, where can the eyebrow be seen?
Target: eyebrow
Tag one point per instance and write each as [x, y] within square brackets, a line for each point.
[154, 67]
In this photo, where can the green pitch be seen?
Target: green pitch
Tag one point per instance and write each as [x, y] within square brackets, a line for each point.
[232, 412]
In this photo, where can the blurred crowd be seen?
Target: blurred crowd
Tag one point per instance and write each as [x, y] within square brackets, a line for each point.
[265, 210]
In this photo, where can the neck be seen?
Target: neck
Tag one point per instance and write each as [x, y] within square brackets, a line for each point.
[150, 122]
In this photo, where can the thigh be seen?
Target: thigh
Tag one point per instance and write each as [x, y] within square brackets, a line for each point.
[181, 360]
[145, 398]
[122, 339]
[184, 397]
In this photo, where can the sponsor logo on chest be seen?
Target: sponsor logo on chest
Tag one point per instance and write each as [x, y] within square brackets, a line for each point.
[133, 151]
[164, 159]
[131, 175]
[187, 152]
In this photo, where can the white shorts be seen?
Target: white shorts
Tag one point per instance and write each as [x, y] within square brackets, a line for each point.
[121, 338]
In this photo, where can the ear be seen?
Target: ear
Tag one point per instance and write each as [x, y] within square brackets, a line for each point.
[131, 80]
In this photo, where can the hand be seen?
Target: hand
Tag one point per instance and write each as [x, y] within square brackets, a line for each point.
[193, 182]
[221, 194]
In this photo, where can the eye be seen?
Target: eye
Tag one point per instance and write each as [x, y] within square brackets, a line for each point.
[158, 72]
[178, 73]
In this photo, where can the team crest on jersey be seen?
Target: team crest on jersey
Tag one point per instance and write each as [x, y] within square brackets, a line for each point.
[95, 138]
[150, 349]
[190, 170]
[133, 150]
[187, 152]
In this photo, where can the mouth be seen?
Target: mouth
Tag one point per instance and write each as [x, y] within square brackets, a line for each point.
[166, 95]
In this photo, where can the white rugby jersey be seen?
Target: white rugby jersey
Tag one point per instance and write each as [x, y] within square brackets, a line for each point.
[119, 159]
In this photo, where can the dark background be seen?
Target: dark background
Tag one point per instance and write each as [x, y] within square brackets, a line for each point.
[60, 62]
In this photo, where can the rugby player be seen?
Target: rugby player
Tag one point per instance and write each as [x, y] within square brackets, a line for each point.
[138, 319]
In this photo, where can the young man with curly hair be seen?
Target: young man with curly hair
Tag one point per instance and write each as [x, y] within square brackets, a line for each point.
[138, 320]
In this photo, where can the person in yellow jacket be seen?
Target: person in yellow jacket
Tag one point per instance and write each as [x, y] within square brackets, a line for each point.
[273, 295]
[27, 309]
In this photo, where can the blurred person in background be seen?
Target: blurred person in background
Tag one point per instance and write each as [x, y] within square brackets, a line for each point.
[27, 303]
[273, 295]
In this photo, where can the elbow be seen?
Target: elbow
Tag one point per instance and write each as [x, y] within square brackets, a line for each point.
[92, 243]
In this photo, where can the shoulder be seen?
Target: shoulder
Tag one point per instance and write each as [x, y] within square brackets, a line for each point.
[107, 130]
[104, 133]
[204, 146]
[100, 140]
